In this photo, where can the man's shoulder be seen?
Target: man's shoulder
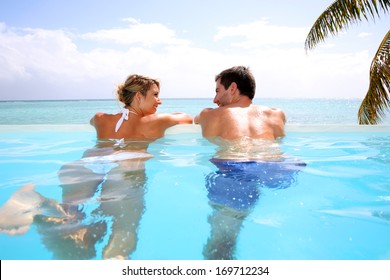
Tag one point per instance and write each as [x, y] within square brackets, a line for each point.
[273, 112]
[267, 109]
[209, 111]
[206, 110]
[206, 115]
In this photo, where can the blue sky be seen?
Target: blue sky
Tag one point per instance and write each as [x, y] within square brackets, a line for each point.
[83, 49]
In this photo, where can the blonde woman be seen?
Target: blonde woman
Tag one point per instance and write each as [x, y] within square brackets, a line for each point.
[138, 119]
[110, 179]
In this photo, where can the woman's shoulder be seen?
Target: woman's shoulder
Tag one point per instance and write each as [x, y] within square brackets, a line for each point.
[102, 115]
[101, 118]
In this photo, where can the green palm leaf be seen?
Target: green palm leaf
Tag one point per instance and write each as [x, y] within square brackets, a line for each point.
[377, 99]
[340, 15]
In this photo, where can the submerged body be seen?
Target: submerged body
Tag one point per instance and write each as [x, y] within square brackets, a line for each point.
[248, 156]
[112, 172]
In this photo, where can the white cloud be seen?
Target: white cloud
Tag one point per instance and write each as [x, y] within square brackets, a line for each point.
[131, 20]
[25, 51]
[35, 61]
[291, 73]
[364, 35]
[148, 35]
[41, 64]
[262, 33]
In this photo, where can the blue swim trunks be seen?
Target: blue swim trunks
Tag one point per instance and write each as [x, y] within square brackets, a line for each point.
[236, 183]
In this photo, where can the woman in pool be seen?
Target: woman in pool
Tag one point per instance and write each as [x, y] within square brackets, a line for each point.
[138, 118]
[111, 177]
[114, 170]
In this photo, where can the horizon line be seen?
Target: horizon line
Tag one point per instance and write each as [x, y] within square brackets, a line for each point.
[179, 98]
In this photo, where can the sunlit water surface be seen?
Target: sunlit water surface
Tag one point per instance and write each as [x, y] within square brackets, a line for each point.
[173, 206]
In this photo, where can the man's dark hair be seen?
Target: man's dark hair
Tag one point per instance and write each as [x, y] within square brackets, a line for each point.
[242, 76]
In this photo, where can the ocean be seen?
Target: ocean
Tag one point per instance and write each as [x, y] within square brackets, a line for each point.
[298, 111]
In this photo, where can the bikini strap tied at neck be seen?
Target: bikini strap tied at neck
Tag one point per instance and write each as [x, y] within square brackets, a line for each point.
[125, 116]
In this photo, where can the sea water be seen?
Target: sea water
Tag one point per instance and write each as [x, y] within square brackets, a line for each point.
[298, 111]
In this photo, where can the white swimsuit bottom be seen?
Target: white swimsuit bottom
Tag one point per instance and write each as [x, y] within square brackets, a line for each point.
[103, 164]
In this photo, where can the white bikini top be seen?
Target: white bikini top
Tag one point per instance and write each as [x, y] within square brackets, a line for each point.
[125, 116]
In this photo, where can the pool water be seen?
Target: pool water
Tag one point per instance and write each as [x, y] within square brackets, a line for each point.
[178, 205]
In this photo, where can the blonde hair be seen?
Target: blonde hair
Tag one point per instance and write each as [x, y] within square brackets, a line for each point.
[133, 84]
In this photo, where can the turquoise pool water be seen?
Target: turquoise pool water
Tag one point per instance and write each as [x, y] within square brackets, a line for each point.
[335, 207]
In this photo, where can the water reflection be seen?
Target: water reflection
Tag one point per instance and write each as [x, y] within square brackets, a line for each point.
[102, 204]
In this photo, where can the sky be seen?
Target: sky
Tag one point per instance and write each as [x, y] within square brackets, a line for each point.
[79, 49]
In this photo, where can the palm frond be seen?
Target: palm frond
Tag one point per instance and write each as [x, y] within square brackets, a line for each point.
[377, 100]
[340, 14]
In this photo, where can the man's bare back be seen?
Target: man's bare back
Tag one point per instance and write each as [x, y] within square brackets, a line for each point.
[233, 122]
[236, 115]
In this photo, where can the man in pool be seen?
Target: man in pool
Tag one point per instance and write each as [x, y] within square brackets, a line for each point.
[248, 158]
[236, 115]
